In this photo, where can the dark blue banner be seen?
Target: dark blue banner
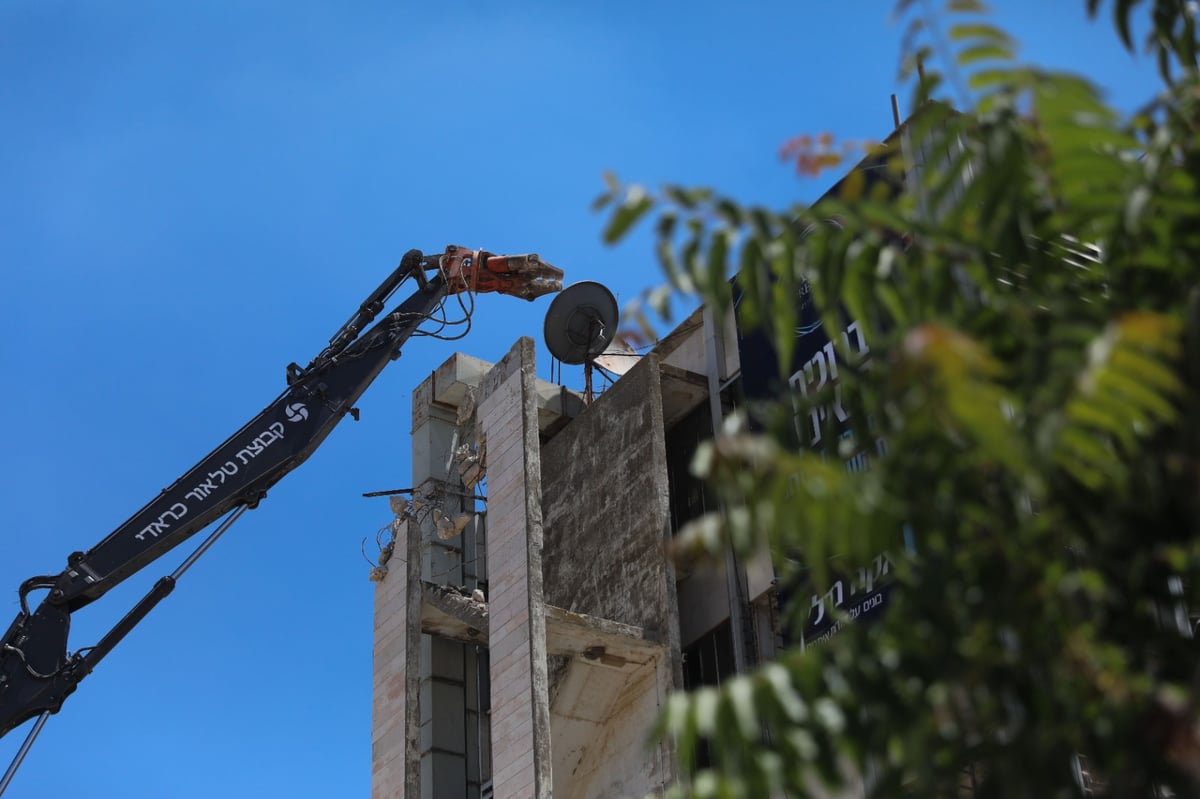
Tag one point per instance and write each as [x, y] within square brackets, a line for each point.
[814, 372]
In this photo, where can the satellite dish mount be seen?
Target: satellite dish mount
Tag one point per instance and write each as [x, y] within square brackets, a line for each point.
[580, 324]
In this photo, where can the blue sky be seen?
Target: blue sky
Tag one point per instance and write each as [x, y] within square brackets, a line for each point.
[193, 195]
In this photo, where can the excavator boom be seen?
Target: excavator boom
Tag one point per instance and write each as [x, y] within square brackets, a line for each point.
[38, 672]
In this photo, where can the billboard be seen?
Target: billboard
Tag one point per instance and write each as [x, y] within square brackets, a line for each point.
[862, 595]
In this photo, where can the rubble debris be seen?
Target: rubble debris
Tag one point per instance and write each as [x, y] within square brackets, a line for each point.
[448, 528]
[470, 464]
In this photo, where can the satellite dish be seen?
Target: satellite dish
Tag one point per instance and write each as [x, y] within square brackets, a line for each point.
[581, 322]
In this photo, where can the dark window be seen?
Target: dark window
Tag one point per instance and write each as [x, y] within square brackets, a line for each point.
[690, 497]
[709, 661]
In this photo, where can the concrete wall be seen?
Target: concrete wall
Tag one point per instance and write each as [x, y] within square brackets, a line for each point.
[396, 658]
[600, 485]
[606, 519]
[508, 419]
[602, 720]
[425, 722]
[688, 346]
[606, 513]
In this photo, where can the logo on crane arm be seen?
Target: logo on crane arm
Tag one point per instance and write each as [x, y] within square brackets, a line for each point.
[296, 412]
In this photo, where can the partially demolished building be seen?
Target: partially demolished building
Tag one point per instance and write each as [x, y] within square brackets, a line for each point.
[525, 644]
[529, 622]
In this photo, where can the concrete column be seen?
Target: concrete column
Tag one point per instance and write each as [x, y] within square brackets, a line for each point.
[395, 722]
[443, 733]
[419, 729]
[517, 628]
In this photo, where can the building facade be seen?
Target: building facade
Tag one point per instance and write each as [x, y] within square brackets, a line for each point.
[525, 643]
[530, 620]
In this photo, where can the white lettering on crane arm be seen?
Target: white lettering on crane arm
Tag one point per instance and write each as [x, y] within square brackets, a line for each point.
[261, 442]
[202, 490]
[164, 522]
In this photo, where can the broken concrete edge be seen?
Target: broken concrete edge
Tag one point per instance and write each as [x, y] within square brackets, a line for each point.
[412, 660]
[682, 392]
[667, 345]
[609, 642]
[531, 421]
[457, 383]
[520, 719]
[449, 613]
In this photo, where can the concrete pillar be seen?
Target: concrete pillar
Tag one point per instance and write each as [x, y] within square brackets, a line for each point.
[442, 666]
[517, 629]
[395, 722]
[424, 689]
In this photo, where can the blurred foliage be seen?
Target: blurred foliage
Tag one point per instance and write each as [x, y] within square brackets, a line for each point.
[1032, 304]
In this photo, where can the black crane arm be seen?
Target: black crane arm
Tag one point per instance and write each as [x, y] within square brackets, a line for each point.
[37, 672]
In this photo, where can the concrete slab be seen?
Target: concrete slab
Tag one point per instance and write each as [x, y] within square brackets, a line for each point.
[682, 392]
[449, 614]
[599, 641]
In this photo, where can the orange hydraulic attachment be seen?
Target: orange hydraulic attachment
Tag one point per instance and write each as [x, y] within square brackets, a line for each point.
[479, 271]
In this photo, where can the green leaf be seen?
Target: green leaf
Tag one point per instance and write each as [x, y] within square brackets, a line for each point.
[730, 212]
[635, 206]
[1121, 9]
[779, 681]
[659, 300]
[1093, 415]
[718, 254]
[1088, 460]
[704, 706]
[978, 30]
[688, 199]
[992, 78]
[602, 201]
[762, 223]
[1140, 398]
[983, 52]
[1030, 389]
[1135, 207]
[664, 228]
[739, 697]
